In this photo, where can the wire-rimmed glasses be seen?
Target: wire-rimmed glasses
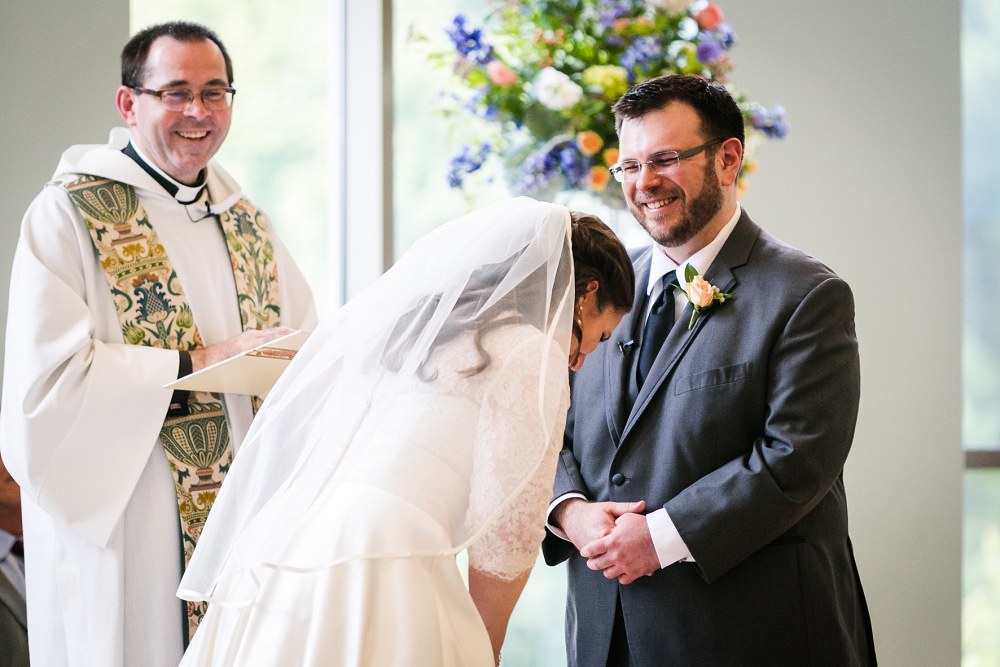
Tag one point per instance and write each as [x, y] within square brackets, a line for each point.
[658, 162]
[178, 99]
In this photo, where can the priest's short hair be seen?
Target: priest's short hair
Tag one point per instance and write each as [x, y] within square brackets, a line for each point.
[136, 51]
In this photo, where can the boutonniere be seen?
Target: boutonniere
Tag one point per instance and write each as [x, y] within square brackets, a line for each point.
[701, 293]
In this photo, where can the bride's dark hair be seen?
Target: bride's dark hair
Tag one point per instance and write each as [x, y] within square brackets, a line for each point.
[597, 254]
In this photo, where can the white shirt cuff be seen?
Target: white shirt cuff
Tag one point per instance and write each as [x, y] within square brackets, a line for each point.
[670, 548]
[555, 503]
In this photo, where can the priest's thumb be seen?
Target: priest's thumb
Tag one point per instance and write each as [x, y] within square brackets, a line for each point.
[617, 509]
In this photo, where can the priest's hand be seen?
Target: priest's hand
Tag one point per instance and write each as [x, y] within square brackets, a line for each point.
[583, 522]
[238, 344]
[627, 553]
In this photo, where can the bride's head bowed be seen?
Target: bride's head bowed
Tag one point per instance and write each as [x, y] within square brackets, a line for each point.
[520, 289]
[605, 284]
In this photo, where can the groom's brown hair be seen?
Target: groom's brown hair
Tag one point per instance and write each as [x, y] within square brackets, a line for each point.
[718, 112]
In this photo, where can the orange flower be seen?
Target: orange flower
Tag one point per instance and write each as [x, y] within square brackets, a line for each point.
[709, 18]
[742, 187]
[589, 142]
[610, 156]
[750, 166]
[599, 177]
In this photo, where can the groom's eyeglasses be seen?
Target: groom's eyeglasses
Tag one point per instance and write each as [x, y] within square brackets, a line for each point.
[628, 170]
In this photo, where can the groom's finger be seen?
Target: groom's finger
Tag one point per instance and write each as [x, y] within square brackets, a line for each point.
[595, 548]
[618, 509]
[607, 566]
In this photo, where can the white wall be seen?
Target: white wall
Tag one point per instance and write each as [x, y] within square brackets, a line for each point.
[58, 75]
[869, 182]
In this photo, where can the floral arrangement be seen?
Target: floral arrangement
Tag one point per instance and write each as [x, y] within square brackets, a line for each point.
[542, 77]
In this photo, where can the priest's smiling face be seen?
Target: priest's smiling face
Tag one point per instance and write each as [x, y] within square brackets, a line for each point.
[180, 142]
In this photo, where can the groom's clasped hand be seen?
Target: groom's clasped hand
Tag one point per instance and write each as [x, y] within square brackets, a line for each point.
[613, 537]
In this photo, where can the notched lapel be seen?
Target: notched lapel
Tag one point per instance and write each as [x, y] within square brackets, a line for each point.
[616, 362]
[733, 254]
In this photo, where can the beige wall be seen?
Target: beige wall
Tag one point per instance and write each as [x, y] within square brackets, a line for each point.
[58, 75]
[869, 182]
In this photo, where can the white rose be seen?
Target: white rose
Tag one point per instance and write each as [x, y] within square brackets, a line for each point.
[556, 90]
[672, 6]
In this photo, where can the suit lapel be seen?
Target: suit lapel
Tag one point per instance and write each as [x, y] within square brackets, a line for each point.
[616, 361]
[733, 254]
[13, 601]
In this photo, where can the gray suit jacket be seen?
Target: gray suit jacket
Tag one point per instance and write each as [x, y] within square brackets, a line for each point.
[13, 626]
[740, 431]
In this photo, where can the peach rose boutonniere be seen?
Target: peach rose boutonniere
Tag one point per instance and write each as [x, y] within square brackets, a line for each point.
[701, 293]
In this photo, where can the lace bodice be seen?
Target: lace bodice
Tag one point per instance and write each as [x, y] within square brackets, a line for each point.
[510, 448]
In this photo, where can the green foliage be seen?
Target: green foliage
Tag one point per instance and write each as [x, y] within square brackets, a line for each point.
[538, 73]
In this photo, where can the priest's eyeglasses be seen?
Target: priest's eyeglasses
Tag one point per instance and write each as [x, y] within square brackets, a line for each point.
[178, 99]
[628, 170]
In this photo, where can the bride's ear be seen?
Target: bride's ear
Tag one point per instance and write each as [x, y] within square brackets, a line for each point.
[588, 294]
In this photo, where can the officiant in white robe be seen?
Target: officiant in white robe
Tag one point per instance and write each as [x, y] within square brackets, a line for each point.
[83, 406]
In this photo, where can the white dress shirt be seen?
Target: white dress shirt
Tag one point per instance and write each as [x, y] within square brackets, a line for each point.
[670, 548]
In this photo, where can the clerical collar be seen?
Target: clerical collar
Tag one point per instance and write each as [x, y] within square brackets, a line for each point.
[184, 194]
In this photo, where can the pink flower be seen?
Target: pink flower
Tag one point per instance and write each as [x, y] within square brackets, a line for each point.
[500, 74]
[700, 292]
[709, 18]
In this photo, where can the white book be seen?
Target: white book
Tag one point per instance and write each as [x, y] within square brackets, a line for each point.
[253, 372]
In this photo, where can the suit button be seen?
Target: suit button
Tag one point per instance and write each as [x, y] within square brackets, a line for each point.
[618, 479]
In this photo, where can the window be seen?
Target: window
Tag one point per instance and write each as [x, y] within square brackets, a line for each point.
[981, 344]
[422, 200]
[277, 146]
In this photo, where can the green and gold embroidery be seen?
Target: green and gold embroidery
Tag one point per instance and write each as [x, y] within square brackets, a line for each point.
[153, 311]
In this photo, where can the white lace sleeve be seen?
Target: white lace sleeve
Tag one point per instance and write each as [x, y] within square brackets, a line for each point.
[507, 448]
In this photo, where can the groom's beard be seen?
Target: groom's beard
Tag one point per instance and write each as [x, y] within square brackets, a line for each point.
[695, 215]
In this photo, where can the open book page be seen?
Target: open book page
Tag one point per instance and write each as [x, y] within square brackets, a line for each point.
[253, 372]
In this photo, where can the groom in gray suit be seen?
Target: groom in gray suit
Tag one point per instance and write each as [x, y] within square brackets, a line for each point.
[700, 495]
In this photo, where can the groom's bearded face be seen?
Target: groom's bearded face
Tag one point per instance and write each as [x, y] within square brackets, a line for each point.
[672, 207]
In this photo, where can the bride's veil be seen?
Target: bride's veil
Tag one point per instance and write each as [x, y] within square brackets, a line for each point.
[504, 267]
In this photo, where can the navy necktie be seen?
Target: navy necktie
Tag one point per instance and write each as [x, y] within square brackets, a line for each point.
[658, 325]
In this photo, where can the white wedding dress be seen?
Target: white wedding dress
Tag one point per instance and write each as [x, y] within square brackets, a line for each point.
[423, 418]
[442, 456]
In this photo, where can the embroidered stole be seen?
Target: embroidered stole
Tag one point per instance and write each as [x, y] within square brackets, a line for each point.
[153, 311]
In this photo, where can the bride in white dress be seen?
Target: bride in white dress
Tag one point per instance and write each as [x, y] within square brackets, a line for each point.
[424, 419]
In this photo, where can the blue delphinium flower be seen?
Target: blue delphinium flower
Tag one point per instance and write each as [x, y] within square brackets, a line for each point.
[537, 170]
[642, 53]
[723, 36]
[709, 51]
[468, 160]
[772, 123]
[612, 10]
[480, 107]
[469, 43]
[565, 159]
[573, 163]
